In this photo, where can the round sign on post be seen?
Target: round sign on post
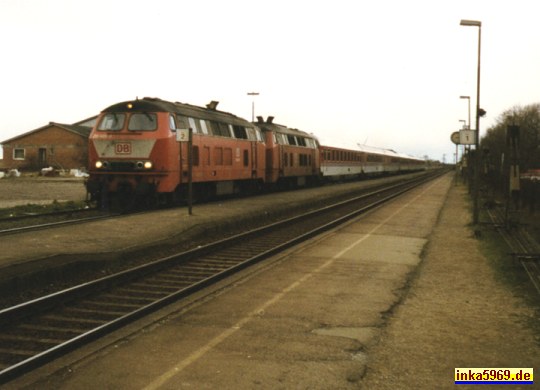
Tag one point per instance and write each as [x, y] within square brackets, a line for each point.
[455, 137]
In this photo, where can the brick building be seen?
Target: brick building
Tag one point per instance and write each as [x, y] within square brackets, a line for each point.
[54, 145]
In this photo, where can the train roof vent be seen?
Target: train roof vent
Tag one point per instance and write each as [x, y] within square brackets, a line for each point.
[260, 119]
[212, 105]
[270, 119]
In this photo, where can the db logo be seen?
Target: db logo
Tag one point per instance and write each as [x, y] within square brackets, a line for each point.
[122, 148]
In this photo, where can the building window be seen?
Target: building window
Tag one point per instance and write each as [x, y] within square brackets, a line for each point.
[18, 154]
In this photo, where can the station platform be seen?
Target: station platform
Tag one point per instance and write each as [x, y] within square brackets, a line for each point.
[116, 239]
[395, 299]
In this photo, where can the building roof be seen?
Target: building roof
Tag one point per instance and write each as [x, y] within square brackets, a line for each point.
[80, 128]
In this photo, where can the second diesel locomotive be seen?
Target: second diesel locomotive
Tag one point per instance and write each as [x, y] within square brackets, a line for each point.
[134, 155]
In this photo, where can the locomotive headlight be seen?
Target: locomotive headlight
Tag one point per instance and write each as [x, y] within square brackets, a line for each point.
[143, 165]
[99, 164]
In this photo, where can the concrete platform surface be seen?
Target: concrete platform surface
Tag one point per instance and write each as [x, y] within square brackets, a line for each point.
[141, 230]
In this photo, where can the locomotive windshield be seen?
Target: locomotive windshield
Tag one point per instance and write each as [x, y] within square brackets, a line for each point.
[142, 122]
[137, 122]
[112, 122]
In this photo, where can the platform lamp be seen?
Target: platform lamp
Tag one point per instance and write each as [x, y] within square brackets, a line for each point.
[476, 23]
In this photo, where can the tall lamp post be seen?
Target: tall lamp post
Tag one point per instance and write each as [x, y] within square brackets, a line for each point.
[253, 104]
[476, 23]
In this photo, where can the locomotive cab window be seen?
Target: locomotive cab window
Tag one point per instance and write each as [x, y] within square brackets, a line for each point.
[112, 122]
[142, 122]
[172, 123]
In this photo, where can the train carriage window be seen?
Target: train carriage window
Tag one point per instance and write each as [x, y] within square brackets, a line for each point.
[291, 139]
[142, 122]
[112, 122]
[301, 141]
[259, 135]
[246, 158]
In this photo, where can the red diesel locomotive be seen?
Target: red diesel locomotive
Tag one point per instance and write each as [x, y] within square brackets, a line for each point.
[135, 158]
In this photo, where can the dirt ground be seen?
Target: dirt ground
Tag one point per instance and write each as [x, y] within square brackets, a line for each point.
[40, 190]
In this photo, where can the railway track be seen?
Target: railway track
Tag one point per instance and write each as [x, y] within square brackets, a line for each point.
[25, 223]
[523, 247]
[38, 331]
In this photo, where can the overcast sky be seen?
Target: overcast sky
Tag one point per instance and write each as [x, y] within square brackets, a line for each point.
[387, 73]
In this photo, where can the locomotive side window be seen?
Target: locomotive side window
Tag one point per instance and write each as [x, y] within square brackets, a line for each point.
[259, 135]
[112, 122]
[142, 122]
[204, 126]
[194, 124]
[240, 132]
[291, 139]
[220, 129]
[182, 123]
